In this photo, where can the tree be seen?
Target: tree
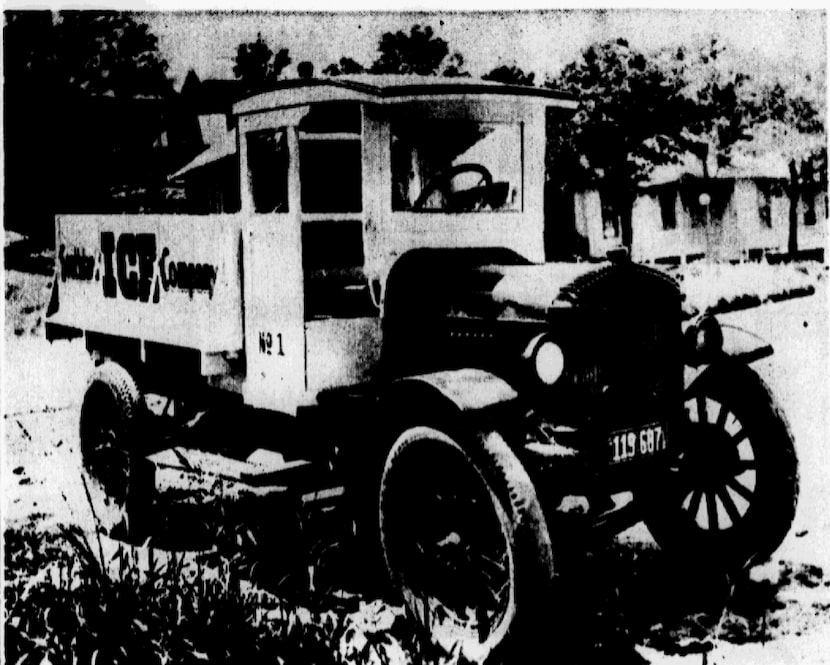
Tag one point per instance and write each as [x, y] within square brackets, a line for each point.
[627, 123]
[790, 126]
[344, 66]
[719, 107]
[60, 70]
[83, 52]
[257, 66]
[454, 67]
[419, 52]
[510, 74]
[639, 110]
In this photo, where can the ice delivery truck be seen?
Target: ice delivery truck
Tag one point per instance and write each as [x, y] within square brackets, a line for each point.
[364, 311]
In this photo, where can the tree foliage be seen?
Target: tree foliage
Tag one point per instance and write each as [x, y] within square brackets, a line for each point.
[628, 120]
[257, 66]
[640, 110]
[70, 77]
[418, 52]
[454, 66]
[345, 66]
[510, 74]
[82, 52]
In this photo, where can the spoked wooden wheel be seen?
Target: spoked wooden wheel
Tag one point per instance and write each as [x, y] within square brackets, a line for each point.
[720, 466]
[453, 538]
[730, 499]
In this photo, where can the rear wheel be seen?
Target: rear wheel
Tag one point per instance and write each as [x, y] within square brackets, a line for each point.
[110, 416]
[730, 499]
[465, 542]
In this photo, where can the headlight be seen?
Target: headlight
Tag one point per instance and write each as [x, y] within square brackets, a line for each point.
[547, 359]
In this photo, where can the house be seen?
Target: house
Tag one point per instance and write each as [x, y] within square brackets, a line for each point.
[743, 211]
[210, 177]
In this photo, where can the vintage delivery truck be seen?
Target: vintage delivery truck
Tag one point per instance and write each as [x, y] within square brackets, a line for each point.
[367, 307]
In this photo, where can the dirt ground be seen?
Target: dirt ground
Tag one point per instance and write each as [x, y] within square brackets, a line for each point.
[780, 615]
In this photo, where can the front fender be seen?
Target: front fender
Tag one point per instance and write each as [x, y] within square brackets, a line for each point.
[739, 378]
[466, 389]
[707, 341]
[743, 345]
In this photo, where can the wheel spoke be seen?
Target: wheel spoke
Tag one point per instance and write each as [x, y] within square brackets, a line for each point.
[697, 495]
[740, 502]
[701, 409]
[740, 489]
[724, 412]
[492, 562]
[744, 465]
[712, 508]
[729, 504]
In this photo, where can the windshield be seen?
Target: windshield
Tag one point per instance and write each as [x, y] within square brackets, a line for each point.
[446, 165]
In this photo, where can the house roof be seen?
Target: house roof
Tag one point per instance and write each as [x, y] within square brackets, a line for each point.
[767, 166]
[380, 88]
[225, 147]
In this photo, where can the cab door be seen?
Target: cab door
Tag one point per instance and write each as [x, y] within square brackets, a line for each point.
[272, 263]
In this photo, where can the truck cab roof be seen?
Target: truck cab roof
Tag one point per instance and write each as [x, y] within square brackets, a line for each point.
[394, 89]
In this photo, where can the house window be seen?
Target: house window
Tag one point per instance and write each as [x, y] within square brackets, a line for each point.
[764, 190]
[668, 199]
[810, 206]
[268, 169]
[611, 223]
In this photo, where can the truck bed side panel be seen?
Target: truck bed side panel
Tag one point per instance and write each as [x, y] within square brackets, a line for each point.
[172, 279]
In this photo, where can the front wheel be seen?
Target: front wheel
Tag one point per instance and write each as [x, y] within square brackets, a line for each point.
[730, 499]
[465, 542]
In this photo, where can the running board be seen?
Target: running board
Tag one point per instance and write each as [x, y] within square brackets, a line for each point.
[182, 470]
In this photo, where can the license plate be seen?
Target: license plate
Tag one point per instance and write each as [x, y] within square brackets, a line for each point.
[637, 442]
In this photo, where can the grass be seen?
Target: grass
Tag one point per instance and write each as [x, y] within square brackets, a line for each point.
[63, 604]
[77, 597]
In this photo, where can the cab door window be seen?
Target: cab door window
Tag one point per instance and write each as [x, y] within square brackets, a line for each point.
[268, 169]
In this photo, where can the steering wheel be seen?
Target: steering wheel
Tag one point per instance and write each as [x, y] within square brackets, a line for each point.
[443, 180]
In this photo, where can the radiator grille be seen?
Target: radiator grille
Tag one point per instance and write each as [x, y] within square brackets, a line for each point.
[621, 339]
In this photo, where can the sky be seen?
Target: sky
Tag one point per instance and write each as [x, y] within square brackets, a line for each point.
[771, 44]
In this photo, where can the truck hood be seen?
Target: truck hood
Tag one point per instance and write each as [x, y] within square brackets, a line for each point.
[537, 287]
[531, 291]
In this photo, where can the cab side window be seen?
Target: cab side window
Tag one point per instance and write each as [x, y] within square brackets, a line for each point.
[268, 169]
[330, 159]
